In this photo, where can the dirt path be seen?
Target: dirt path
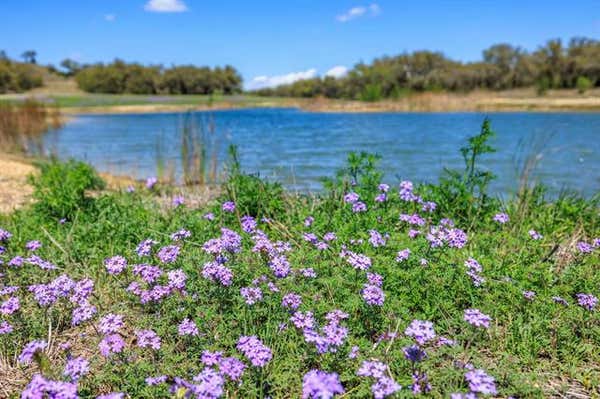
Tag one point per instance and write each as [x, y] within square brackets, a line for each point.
[14, 190]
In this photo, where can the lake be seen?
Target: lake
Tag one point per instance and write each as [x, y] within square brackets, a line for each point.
[298, 148]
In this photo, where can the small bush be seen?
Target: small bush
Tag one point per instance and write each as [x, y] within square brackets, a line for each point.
[583, 84]
[59, 189]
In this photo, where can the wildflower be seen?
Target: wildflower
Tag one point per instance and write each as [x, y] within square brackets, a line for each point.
[10, 306]
[473, 270]
[291, 301]
[5, 235]
[373, 294]
[412, 233]
[112, 395]
[76, 368]
[177, 279]
[252, 347]
[308, 221]
[358, 207]
[480, 382]
[375, 369]
[232, 368]
[144, 248]
[147, 339]
[211, 358]
[560, 300]
[9, 290]
[228, 206]
[168, 254]
[116, 264]
[330, 236]
[248, 224]
[209, 384]
[501, 218]
[151, 182]
[318, 384]
[384, 188]
[384, 386]
[180, 235]
[421, 331]
[402, 255]
[280, 266]
[382, 197]
[152, 381]
[40, 387]
[5, 327]
[214, 271]
[429, 206]
[111, 323]
[251, 294]
[303, 320]
[209, 216]
[17, 261]
[188, 327]
[358, 261]
[584, 247]
[308, 272]
[148, 273]
[535, 235]
[420, 383]
[376, 239]
[30, 350]
[587, 301]
[476, 318]
[33, 245]
[178, 200]
[351, 198]
[83, 312]
[414, 353]
[529, 295]
[353, 352]
[130, 189]
[406, 192]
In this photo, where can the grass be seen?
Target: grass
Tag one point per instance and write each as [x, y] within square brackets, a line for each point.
[23, 124]
[532, 348]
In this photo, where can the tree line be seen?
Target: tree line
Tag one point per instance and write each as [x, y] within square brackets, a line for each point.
[120, 77]
[552, 66]
[19, 76]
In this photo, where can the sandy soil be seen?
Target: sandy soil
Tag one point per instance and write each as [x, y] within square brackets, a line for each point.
[14, 190]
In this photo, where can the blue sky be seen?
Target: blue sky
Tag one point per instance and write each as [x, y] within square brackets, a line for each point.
[277, 40]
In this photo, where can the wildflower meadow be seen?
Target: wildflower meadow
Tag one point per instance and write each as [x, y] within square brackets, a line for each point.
[375, 287]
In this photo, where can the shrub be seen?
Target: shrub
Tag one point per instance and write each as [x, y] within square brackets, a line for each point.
[59, 189]
[583, 84]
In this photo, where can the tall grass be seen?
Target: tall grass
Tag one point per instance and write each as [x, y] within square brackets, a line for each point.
[22, 125]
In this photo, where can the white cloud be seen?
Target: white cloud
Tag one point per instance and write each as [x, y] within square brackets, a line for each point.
[110, 17]
[261, 82]
[165, 6]
[360, 11]
[337, 71]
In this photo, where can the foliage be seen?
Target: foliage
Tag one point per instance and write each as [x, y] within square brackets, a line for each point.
[121, 77]
[539, 332]
[60, 188]
[551, 66]
[18, 77]
[583, 84]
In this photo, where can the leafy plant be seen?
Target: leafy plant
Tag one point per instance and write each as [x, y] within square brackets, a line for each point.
[59, 189]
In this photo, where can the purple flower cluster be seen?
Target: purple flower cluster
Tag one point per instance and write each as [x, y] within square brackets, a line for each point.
[148, 339]
[480, 382]
[501, 218]
[217, 272]
[357, 261]
[317, 384]
[473, 271]
[254, 350]
[228, 206]
[384, 385]
[115, 265]
[327, 339]
[421, 331]
[377, 239]
[144, 248]
[188, 327]
[76, 368]
[535, 235]
[291, 301]
[587, 301]
[168, 254]
[406, 192]
[40, 387]
[476, 318]
[30, 350]
[373, 294]
[251, 295]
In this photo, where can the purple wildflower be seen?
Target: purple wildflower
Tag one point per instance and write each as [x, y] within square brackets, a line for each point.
[188, 327]
[251, 294]
[291, 301]
[480, 382]
[308, 221]
[373, 295]
[529, 295]
[111, 323]
[402, 255]
[228, 206]
[76, 368]
[30, 350]
[116, 264]
[33, 245]
[151, 182]
[248, 224]
[10, 306]
[414, 353]
[587, 301]
[421, 331]
[178, 200]
[476, 318]
[252, 347]
[318, 384]
[147, 339]
[584, 247]
[168, 254]
[501, 218]
[152, 381]
[535, 235]
[144, 248]
[5, 327]
[358, 207]
[232, 367]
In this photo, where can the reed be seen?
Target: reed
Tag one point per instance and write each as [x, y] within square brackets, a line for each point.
[23, 125]
[199, 148]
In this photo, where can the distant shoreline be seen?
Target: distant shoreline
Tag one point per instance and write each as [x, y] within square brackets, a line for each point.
[522, 100]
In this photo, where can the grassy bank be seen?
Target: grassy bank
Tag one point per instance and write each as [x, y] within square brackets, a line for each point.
[365, 288]
[75, 102]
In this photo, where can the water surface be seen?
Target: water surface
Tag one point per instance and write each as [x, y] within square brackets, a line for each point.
[299, 148]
